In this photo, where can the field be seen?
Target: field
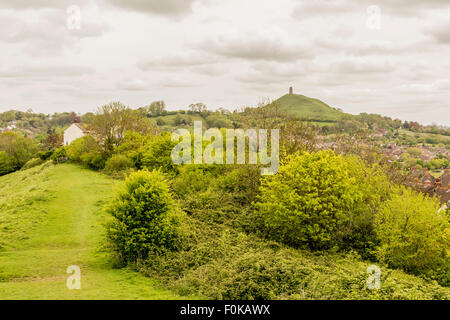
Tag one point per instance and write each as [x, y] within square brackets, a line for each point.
[51, 218]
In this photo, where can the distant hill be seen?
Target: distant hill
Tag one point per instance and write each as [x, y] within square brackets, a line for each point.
[309, 108]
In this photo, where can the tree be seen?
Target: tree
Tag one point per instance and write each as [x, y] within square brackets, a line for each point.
[53, 140]
[145, 218]
[112, 121]
[74, 118]
[298, 136]
[413, 235]
[156, 108]
[198, 107]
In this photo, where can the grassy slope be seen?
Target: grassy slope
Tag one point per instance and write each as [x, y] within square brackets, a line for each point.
[308, 108]
[51, 218]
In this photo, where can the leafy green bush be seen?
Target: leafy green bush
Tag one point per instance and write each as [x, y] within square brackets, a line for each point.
[6, 163]
[117, 165]
[59, 155]
[131, 146]
[217, 193]
[222, 263]
[15, 150]
[413, 235]
[33, 163]
[86, 151]
[45, 155]
[156, 154]
[160, 122]
[310, 198]
[145, 218]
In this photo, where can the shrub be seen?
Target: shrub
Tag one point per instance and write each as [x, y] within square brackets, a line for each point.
[131, 147]
[242, 183]
[17, 150]
[145, 219]
[6, 163]
[59, 156]
[86, 151]
[45, 155]
[157, 154]
[412, 232]
[225, 264]
[320, 199]
[33, 163]
[160, 122]
[117, 165]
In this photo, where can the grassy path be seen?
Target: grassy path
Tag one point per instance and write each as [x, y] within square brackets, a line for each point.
[50, 219]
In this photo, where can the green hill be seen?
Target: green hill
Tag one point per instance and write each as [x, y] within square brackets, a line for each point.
[309, 108]
[51, 218]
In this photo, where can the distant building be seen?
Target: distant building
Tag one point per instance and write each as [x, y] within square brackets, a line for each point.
[75, 131]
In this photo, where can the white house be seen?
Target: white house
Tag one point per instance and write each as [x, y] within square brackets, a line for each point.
[72, 133]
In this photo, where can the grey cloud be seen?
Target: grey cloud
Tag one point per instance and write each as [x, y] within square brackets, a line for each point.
[338, 73]
[254, 46]
[35, 4]
[321, 8]
[192, 61]
[176, 61]
[353, 47]
[173, 8]
[48, 71]
[440, 32]
[133, 85]
[270, 72]
[178, 82]
[47, 33]
[362, 66]
[210, 70]
[443, 84]
[309, 9]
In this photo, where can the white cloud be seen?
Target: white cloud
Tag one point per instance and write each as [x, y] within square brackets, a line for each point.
[227, 53]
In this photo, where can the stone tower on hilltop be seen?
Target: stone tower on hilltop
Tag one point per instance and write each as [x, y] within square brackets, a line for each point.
[291, 90]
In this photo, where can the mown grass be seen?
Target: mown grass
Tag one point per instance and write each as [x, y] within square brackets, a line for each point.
[50, 218]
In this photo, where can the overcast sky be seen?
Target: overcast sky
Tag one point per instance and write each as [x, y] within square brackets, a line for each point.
[227, 53]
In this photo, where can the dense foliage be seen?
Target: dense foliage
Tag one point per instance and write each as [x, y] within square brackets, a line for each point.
[413, 234]
[15, 151]
[321, 200]
[145, 218]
